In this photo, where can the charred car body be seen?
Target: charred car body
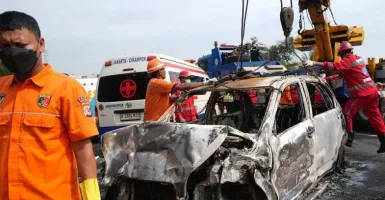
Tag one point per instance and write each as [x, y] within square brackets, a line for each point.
[253, 144]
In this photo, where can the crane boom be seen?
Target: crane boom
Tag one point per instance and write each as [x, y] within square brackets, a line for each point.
[324, 37]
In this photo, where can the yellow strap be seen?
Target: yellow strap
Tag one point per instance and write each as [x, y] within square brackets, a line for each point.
[90, 189]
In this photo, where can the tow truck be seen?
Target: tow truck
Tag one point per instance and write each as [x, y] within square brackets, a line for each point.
[224, 60]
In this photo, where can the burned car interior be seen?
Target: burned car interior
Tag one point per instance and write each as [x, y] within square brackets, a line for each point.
[240, 109]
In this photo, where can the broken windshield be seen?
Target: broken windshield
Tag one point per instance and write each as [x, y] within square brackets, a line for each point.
[241, 109]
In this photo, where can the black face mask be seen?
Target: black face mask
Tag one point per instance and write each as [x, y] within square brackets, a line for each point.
[18, 60]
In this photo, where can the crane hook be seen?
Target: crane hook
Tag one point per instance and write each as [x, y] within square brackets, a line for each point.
[287, 20]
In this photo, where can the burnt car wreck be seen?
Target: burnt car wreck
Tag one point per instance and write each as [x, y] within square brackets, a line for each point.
[262, 138]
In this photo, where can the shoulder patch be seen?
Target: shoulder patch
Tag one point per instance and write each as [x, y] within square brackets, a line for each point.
[43, 100]
[87, 111]
[83, 101]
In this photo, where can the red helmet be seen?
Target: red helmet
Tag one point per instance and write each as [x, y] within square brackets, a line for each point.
[184, 74]
[345, 46]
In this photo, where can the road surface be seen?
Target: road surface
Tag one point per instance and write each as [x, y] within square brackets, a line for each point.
[364, 177]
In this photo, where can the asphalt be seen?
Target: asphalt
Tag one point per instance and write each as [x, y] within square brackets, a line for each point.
[363, 177]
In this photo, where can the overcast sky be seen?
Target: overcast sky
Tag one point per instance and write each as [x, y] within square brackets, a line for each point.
[82, 35]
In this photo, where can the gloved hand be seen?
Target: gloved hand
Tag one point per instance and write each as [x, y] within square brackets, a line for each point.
[90, 189]
[211, 81]
[308, 63]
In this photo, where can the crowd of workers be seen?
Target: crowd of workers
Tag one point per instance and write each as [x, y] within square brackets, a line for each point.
[46, 123]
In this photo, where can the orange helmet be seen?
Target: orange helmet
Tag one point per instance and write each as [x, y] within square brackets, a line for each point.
[345, 46]
[184, 74]
[154, 65]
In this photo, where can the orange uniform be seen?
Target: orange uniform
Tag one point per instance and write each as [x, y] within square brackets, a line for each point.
[38, 122]
[286, 96]
[157, 98]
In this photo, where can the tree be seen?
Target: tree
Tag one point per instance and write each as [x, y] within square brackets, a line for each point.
[254, 39]
[307, 55]
[3, 70]
[282, 54]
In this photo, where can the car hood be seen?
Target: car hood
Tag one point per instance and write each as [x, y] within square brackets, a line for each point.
[159, 151]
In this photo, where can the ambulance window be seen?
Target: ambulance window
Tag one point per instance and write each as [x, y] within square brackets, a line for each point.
[197, 79]
[122, 87]
[319, 98]
[174, 76]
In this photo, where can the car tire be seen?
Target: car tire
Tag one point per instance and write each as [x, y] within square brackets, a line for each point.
[340, 163]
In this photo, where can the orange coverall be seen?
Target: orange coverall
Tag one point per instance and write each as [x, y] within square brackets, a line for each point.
[157, 98]
[39, 120]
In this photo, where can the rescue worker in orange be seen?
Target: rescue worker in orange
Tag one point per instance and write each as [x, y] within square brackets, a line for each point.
[362, 89]
[286, 96]
[159, 90]
[45, 122]
[189, 111]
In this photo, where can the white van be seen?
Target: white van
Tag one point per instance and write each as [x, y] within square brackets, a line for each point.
[122, 85]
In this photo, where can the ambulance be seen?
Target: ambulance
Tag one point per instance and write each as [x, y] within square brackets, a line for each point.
[122, 85]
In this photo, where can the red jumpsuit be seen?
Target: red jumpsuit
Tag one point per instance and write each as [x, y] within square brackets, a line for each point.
[362, 89]
[253, 96]
[294, 94]
[318, 97]
[189, 112]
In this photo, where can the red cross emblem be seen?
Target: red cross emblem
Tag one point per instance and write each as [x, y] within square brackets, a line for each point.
[128, 88]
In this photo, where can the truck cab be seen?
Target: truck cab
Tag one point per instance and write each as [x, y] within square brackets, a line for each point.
[224, 59]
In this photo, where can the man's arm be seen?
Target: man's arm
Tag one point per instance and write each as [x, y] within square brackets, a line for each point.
[329, 66]
[188, 86]
[80, 125]
[85, 159]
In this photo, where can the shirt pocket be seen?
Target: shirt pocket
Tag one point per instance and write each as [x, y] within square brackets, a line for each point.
[4, 119]
[41, 131]
[4, 123]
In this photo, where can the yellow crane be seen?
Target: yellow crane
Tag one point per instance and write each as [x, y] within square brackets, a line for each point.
[324, 39]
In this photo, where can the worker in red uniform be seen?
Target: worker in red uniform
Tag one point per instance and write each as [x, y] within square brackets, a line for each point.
[294, 94]
[188, 112]
[253, 95]
[362, 89]
[318, 99]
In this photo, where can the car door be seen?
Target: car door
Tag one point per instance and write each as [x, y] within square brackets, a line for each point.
[294, 149]
[327, 119]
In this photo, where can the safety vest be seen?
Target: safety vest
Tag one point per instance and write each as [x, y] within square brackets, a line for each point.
[253, 95]
[358, 80]
[318, 97]
[188, 112]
